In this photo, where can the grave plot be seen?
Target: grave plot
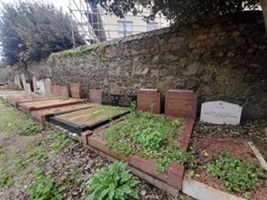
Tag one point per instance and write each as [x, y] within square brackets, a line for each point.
[41, 115]
[148, 142]
[225, 161]
[16, 100]
[51, 103]
[154, 144]
[88, 119]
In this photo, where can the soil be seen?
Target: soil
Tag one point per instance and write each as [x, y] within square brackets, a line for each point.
[210, 140]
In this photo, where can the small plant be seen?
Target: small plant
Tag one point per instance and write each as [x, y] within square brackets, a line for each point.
[236, 174]
[43, 187]
[63, 140]
[6, 178]
[112, 183]
[31, 129]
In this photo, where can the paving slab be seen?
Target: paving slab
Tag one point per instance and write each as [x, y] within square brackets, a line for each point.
[4, 94]
[88, 119]
[52, 103]
[16, 100]
[41, 114]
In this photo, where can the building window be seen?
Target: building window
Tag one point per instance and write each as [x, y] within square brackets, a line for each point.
[152, 26]
[125, 28]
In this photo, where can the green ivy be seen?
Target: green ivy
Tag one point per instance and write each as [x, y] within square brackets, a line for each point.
[112, 183]
[237, 175]
[150, 136]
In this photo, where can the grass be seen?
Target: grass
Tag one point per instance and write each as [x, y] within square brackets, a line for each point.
[150, 136]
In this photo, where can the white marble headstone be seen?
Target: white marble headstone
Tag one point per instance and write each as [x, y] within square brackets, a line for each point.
[220, 112]
[41, 86]
[34, 83]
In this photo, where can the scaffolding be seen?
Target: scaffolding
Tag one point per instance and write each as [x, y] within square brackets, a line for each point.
[96, 25]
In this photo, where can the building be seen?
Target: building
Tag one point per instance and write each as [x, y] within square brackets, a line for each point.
[96, 25]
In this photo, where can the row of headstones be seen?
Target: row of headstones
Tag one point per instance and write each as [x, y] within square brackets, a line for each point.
[42, 86]
[183, 104]
[178, 103]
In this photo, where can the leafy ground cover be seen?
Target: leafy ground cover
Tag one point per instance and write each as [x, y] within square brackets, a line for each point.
[149, 136]
[48, 165]
[224, 160]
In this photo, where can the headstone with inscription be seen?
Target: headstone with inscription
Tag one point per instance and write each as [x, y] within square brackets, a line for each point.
[95, 96]
[220, 112]
[181, 103]
[75, 89]
[148, 100]
[118, 100]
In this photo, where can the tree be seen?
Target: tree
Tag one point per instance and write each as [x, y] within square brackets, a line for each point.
[30, 31]
[181, 12]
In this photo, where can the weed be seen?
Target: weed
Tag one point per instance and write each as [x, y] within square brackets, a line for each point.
[112, 183]
[43, 187]
[6, 178]
[31, 129]
[237, 175]
[150, 136]
[60, 140]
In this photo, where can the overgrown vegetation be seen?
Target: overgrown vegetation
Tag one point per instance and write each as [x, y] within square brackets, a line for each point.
[112, 183]
[74, 52]
[30, 31]
[150, 136]
[237, 175]
[43, 187]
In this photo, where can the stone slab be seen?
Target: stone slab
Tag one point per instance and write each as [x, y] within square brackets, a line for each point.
[201, 191]
[118, 100]
[95, 96]
[59, 90]
[48, 84]
[30, 106]
[41, 114]
[181, 103]
[41, 86]
[75, 89]
[220, 112]
[148, 100]
[34, 83]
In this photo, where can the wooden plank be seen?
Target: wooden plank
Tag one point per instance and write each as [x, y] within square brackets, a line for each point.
[258, 155]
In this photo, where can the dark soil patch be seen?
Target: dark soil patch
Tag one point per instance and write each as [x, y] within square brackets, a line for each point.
[210, 140]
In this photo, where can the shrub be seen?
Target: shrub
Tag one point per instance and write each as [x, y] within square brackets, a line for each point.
[112, 183]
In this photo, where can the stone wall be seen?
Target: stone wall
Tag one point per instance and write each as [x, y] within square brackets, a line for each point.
[222, 59]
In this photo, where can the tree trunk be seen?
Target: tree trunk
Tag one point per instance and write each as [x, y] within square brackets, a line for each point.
[263, 4]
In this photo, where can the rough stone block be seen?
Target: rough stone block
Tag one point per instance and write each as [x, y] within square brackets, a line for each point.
[181, 103]
[95, 96]
[148, 100]
[75, 89]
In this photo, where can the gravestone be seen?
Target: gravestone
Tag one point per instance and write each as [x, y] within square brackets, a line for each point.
[34, 83]
[23, 80]
[220, 112]
[48, 85]
[75, 89]
[148, 100]
[41, 86]
[58, 90]
[118, 100]
[17, 81]
[95, 96]
[181, 103]
[28, 88]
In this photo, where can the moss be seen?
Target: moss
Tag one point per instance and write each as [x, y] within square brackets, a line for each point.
[164, 86]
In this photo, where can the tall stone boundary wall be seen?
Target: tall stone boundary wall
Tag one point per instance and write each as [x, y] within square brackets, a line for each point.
[222, 59]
